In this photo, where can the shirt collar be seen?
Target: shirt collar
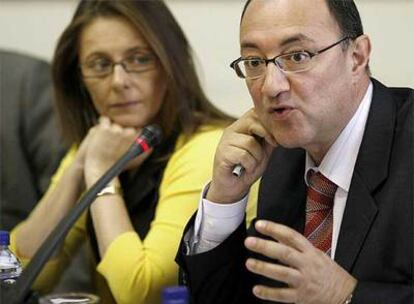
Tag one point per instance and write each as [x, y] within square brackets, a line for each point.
[339, 162]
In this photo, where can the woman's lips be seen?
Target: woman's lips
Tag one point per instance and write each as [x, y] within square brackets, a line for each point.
[124, 104]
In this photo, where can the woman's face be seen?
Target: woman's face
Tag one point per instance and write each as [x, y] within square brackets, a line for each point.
[130, 98]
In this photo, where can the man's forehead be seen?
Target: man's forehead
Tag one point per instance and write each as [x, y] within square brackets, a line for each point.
[287, 6]
[285, 41]
[300, 20]
[286, 13]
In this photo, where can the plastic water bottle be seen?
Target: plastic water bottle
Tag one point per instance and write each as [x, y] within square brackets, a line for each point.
[175, 295]
[10, 266]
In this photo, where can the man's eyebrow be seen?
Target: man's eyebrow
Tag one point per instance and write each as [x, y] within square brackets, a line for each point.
[290, 40]
[295, 39]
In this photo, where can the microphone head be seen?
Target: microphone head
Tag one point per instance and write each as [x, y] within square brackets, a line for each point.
[152, 134]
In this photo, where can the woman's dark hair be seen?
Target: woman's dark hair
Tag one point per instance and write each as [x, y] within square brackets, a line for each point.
[344, 12]
[185, 106]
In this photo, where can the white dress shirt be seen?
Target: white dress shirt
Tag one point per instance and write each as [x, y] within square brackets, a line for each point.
[215, 222]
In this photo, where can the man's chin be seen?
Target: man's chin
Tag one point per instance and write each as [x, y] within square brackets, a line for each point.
[288, 142]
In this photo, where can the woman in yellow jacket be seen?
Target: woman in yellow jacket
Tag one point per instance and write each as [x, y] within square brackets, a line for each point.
[119, 66]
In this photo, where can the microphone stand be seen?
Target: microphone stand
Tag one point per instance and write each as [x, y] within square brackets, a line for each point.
[20, 291]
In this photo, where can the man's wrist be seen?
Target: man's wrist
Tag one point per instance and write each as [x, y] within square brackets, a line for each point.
[221, 197]
[348, 291]
[348, 299]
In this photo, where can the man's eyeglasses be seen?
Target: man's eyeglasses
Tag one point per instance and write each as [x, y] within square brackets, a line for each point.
[101, 67]
[255, 67]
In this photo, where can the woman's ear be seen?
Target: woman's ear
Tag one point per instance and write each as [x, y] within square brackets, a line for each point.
[360, 55]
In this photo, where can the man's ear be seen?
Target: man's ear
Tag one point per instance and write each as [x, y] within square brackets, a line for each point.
[360, 55]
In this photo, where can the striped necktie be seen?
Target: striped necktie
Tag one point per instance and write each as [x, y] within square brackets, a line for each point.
[319, 211]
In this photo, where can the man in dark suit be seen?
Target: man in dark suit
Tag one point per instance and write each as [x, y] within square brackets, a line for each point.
[334, 148]
[31, 148]
[31, 145]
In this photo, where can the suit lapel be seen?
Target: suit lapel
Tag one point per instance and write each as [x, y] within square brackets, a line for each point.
[359, 214]
[282, 195]
[371, 169]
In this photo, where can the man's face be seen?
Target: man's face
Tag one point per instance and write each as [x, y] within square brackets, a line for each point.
[305, 109]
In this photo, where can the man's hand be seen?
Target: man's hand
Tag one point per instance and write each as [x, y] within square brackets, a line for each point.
[245, 142]
[312, 276]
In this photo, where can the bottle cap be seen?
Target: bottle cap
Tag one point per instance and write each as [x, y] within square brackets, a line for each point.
[4, 238]
[175, 294]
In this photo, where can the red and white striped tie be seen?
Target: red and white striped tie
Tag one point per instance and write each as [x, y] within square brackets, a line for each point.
[319, 211]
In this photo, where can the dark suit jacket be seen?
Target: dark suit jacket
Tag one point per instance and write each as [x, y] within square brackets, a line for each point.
[375, 243]
[31, 146]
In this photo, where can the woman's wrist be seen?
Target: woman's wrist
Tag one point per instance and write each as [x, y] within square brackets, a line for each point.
[112, 188]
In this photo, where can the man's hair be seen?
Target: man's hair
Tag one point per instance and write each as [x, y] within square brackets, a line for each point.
[345, 13]
[347, 16]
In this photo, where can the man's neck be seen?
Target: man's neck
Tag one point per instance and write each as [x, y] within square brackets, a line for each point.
[318, 151]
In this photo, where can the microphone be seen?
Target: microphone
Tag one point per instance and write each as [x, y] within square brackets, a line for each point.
[20, 292]
[150, 137]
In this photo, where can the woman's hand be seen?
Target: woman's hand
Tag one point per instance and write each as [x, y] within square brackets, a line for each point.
[103, 146]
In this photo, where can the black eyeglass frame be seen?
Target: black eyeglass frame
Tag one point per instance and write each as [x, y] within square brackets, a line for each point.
[123, 64]
[235, 67]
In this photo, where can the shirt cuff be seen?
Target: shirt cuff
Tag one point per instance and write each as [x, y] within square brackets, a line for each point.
[214, 223]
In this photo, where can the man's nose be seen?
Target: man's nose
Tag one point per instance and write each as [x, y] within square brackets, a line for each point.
[275, 81]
